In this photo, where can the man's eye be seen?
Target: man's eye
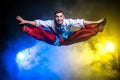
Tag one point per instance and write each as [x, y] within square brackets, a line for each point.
[57, 16]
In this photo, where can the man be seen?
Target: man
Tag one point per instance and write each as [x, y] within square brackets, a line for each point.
[59, 32]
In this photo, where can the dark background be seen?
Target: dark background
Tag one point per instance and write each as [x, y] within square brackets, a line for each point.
[44, 9]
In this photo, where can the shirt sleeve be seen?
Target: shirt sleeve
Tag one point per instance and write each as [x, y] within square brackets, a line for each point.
[76, 22]
[46, 23]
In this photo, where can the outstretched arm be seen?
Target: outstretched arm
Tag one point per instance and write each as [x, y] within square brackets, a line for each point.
[23, 21]
[85, 22]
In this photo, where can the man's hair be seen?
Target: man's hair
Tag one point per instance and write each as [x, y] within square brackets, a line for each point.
[58, 11]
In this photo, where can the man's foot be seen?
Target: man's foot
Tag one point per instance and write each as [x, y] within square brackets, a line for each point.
[101, 25]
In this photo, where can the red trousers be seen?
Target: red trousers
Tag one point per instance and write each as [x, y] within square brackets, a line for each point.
[49, 37]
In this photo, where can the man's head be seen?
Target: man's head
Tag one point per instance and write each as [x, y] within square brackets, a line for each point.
[59, 17]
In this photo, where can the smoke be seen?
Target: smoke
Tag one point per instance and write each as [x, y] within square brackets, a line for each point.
[83, 61]
[80, 61]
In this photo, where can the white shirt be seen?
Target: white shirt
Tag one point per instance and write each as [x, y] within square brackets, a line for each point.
[66, 24]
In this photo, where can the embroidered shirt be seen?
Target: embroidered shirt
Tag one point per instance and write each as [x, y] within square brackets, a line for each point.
[64, 29]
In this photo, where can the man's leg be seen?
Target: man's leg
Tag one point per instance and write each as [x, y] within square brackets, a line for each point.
[39, 33]
[83, 34]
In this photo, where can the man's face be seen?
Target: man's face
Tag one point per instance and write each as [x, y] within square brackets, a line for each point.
[59, 18]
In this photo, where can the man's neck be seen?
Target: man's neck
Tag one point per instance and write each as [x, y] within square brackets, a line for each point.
[58, 25]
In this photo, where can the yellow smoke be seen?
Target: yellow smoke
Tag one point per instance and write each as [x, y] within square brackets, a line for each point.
[97, 58]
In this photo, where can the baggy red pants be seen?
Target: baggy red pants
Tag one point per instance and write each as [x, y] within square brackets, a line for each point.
[49, 37]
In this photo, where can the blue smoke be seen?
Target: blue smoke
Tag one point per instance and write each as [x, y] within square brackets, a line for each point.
[24, 61]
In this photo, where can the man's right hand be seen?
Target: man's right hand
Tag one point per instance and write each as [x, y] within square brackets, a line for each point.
[21, 20]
